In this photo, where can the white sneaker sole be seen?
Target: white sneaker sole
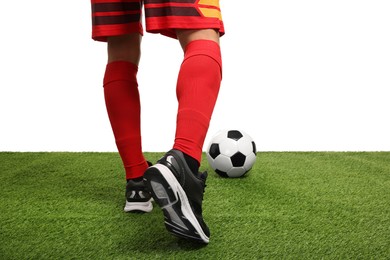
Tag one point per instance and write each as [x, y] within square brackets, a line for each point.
[138, 206]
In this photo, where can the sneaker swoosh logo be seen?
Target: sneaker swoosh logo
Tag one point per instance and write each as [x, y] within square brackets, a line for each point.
[169, 159]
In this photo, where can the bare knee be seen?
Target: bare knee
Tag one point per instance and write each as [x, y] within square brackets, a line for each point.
[125, 48]
[186, 36]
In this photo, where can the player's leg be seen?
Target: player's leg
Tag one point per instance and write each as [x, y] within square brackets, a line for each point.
[174, 181]
[197, 89]
[123, 108]
[117, 23]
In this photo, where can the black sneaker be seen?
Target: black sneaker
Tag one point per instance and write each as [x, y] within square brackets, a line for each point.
[138, 198]
[180, 194]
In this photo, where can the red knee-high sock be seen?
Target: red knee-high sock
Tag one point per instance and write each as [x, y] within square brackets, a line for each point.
[197, 91]
[123, 108]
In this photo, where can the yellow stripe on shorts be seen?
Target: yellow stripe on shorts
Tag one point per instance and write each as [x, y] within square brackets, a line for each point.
[210, 8]
[214, 13]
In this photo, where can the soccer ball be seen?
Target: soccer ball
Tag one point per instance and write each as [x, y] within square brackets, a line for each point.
[231, 153]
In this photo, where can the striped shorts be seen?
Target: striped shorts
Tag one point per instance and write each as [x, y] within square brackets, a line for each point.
[119, 17]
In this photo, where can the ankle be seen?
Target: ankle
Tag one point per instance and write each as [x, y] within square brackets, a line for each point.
[192, 163]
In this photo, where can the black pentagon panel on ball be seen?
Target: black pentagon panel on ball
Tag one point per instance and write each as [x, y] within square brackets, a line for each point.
[254, 147]
[214, 151]
[238, 159]
[234, 134]
[221, 173]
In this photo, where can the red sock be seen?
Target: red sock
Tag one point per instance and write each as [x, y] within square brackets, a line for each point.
[123, 108]
[197, 91]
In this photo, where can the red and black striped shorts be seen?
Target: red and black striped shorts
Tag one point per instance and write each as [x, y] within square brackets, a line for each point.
[118, 17]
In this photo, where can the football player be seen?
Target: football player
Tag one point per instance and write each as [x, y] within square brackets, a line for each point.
[174, 181]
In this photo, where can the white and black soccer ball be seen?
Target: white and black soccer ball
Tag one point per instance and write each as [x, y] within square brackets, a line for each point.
[231, 153]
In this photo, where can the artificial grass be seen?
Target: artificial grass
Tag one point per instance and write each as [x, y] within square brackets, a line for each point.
[291, 205]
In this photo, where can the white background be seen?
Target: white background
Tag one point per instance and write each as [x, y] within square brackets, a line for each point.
[298, 76]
